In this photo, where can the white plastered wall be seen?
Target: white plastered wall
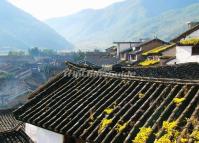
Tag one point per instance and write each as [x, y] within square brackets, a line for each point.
[184, 55]
[40, 135]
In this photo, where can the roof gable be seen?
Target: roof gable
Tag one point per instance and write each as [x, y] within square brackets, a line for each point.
[151, 41]
[185, 34]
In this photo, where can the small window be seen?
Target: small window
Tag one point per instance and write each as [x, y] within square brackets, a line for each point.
[195, 50]
[133, 57]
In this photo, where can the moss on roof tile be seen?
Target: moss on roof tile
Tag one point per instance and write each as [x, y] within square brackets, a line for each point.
[158, 49]
[149, 62]
[190, 41]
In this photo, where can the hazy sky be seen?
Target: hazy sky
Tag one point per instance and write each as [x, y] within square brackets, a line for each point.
[45, 9]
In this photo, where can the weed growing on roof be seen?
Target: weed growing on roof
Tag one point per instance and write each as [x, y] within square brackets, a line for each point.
[119, 128]
[108, 110]
[177, 101]
[105, 122]
[143, 135]
[91, 118]
[91, 115]
[141, 95]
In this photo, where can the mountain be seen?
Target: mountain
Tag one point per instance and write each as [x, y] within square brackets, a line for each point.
[21, 31]
[126, 20]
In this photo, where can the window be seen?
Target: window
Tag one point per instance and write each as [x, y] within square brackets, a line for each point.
[195, 50]
[133, 57]
[122, 56]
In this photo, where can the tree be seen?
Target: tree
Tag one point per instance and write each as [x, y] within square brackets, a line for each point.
[34, 52]
[16, 53]
[78, 56]
[48, 52]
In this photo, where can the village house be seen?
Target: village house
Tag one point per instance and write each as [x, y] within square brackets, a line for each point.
[103, 107]
[131, 52]
[123, 48]
[11, 130]
[187, 49]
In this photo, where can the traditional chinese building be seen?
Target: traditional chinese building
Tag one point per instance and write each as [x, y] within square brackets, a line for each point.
[103, 107]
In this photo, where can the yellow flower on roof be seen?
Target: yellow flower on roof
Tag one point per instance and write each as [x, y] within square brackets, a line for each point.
[143, 135]
[178, 100]
[171, 133]
[195, 135]
[183, 140]
[163, 139]
[148, 62]
[108, 110]
[190, 41]
[105, 122]
[168, 126]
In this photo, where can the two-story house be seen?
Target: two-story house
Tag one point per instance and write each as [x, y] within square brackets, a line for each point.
[123, 49]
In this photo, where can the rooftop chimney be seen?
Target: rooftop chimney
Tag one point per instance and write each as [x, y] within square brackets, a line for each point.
[192, 24]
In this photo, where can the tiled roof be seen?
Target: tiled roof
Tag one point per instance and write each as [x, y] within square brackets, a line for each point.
[82, 66]
[15, 137]
[91, 108]
[159, 49]
[11, 130]
[181, 71]
[150, 41]
[100, 59]
[7, 121]
[87, 63]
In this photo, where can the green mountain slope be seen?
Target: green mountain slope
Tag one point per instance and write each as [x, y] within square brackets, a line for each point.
[20, 31]
[128, 20]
